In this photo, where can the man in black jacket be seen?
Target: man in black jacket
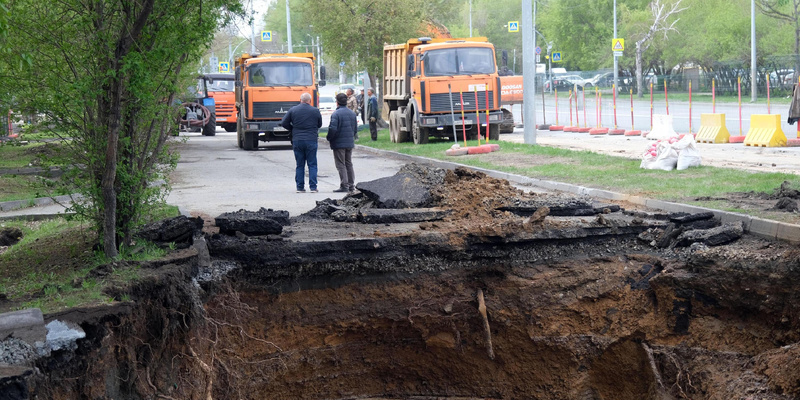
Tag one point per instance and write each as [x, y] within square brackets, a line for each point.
[372, 112]
[342, 132]
[304, 121]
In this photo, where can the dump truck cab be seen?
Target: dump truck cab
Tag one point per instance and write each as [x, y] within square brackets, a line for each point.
[221, 88]
[428, 81]
[267, 86]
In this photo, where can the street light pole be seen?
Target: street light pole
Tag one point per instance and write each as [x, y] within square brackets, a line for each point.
[288, 28]
[753, 76]
[616, 68]
[528, 73]
[470, 18]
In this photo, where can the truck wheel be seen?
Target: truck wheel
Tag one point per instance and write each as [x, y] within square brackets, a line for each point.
[239, 131]
[419, 133]
[250, 141]
[210, 129]
[229, 127]
[393, 127]
[494, 132]
[472, 133]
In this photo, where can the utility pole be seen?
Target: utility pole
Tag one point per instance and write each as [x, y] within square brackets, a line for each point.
[470, 18]
[616, 68]
[753, 73]
[528, 73]
[289, 28]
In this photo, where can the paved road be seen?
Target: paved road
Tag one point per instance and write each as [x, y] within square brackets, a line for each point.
[214, 176]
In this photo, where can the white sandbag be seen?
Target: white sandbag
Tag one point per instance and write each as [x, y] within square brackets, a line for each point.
[666, 158]
[688, 153]
[662, 128]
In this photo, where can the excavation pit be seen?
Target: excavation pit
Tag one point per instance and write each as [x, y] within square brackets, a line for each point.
[505, 295]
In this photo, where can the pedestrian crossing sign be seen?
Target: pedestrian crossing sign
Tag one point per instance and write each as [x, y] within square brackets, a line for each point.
[513, 26]
[266, 36]
[224, 67]
[557, 56]
[618, 44]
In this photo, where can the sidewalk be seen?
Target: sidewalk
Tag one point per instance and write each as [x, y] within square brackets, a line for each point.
[728, 155]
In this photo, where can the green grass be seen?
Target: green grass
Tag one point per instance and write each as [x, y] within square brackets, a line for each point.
[16, 155]
[50, 267]
[600, 171]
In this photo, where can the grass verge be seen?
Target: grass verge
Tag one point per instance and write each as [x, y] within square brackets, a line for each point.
[51, 267]
[618, 174]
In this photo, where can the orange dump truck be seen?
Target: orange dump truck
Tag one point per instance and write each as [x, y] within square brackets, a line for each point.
[423, 79]
[220, 87]
[267, 86]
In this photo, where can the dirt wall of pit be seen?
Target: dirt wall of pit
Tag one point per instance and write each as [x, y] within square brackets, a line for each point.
[570, 314]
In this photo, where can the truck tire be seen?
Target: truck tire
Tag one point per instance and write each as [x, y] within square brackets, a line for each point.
[494, 132]
[419, 133]
[240, 131]
[394, 128]
[472, 133]
[229, 127]
[250, 141]
[210, 129]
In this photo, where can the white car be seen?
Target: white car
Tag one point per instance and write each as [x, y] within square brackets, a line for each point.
[327, 104]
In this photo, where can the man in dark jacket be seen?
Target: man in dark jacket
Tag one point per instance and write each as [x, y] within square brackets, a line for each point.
[341, 135]
[372, 111]
[304, 121]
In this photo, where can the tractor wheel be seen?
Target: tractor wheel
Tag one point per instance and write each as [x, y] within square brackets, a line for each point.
[210, 129]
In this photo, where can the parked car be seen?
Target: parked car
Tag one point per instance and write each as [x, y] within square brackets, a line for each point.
[343, 88]
[789, 79]
[327, 104]
[566, 82]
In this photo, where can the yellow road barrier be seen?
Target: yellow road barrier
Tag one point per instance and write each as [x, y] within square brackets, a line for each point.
[712, 129]
[765, 131]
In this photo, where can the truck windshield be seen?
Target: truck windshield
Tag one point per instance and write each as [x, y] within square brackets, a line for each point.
[281, 74]
[221, 85]
[459, 61]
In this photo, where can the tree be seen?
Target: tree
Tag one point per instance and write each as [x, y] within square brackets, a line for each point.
[105, 74]
[355, 31]
[789, 11]
[659, 24]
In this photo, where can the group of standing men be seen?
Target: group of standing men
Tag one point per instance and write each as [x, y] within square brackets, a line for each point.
[304, 121]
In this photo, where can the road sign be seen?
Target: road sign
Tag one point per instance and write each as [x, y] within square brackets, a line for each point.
[617, 54]
[341, 64]
[556, 56]
[513, 26]
[266, 36]
[538, 50]
[618, 44]
[224, 67]
[538, 59]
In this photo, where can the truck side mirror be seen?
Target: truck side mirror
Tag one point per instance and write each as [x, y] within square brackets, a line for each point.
[322, 74]
[322, 83]
[505, 58]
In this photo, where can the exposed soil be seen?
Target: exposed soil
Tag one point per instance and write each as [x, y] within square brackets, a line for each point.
[482, 304]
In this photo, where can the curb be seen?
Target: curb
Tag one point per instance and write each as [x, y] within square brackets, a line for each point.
[756, 226]
[41, 201]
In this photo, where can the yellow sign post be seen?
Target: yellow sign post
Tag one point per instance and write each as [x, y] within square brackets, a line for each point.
[618, 44]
